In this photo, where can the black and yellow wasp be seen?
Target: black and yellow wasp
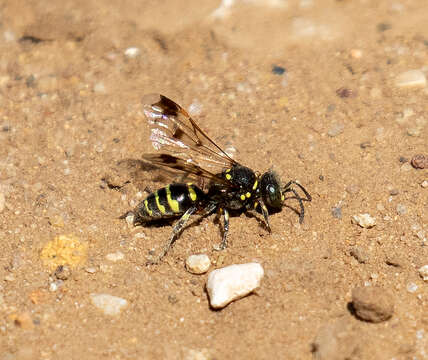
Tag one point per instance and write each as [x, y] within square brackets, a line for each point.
[186, 149]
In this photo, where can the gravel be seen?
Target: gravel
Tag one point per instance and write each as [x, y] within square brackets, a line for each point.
[108, 304]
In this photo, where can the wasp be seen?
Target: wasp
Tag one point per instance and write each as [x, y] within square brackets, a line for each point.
[186, 149]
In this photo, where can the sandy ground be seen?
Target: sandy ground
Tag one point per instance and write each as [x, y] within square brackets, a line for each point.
[311, 88]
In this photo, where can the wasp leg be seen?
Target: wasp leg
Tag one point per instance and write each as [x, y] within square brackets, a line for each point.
[175, 231]
[288, 188]
[223, 244]
[265, 213]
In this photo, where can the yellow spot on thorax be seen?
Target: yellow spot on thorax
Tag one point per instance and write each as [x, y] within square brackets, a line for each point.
[173, 204]
[242, 197]
[158, 204]
[228, 176]
[248, 195]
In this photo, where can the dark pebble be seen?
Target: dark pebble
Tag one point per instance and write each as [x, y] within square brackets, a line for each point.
[359, 254]
[62, 272]
[419, 161]
[365, 144]
[381, 27]
[278, 70]
[336, 212]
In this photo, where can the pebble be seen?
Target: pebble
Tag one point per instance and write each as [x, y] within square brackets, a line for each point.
[401, 209]
[411, 78]
[99, 87]
[406, 167]
[62, 272]
[117, 256]
[198, 264]
[372, 304]
[336, 129]
[412, 287]
[359, 254]
[233, 282]
[423, 272]
[352, 189]
[108, 304]
[337, 212]
[132, 52]
[278, 70]
[195, 108]
[91, 270]
[364, 220]
[2, 202]
[419, 161]
[424, 184]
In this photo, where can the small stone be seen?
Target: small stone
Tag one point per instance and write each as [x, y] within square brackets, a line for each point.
[55, 285]
[394, 192]
[9, 277]
[406, 167]
[337, 212]
[356, 53]
[233, 282]
[423, 272]
[411, 78]
[198, 264]
[278, 70]
[39, 296]
[359, 254]
[2, 202]
[62, 272]
[372, 304]
[364, 220]
[412, 287]
[419, 161]
[345, 92]
[91, 270]
[336, 129]
[132, 52]
[114, 257]
[352, 189]
[108, 304]
[424, 184]
[99, 87]
[401, 209]
[195, 108]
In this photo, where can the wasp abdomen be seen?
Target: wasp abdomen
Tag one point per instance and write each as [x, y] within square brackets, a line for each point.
[170, 201]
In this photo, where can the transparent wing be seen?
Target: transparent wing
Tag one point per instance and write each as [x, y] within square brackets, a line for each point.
[173, 131]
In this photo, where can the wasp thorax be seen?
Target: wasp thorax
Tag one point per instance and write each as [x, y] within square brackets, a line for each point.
[270, 187]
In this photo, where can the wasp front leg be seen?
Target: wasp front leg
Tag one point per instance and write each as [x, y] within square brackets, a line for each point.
[223, 244]
[265, 213]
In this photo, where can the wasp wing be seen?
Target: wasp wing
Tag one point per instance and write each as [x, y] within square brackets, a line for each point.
[173, 131]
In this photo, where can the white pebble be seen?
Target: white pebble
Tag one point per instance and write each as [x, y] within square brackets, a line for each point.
[99, 87]
[424, 184]
[411, 78]
[108, 304]
[423, 272]
[412, 287]
[132, 52]
[233, 282]
[195, 108]
[401, 209]
[115, 256]
[198, 264]
[364, 220]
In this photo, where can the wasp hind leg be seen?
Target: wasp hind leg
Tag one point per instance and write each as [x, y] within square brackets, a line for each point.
[179, 225]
